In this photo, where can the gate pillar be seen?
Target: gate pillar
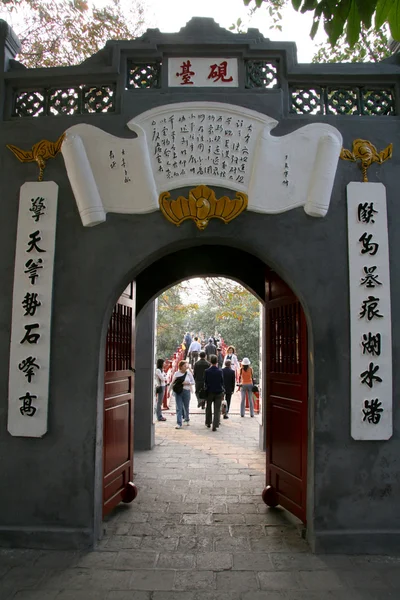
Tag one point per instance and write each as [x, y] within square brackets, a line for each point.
[144, 379]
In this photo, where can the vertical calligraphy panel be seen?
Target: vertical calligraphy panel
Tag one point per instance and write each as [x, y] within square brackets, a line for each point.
[28, 391]
[370, 315]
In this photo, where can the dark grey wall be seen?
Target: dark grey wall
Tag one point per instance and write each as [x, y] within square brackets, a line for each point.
[48, 492]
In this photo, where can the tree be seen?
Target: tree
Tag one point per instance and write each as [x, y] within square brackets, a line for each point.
[173, 319]
[66, 32]
[346, 17]
[373, 46]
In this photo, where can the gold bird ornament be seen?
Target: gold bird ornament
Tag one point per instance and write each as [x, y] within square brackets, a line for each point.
[40, 153]
[366, 152]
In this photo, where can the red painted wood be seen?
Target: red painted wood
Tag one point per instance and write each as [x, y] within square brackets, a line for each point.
[118, 404]
[287, 399]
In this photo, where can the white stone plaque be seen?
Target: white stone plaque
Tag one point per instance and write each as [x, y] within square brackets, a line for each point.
[370, 316]
[201, 143]
[28, 392]
[202, 72]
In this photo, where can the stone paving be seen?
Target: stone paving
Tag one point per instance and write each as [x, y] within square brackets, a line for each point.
[199, 531]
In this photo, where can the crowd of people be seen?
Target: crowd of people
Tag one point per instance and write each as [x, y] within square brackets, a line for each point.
[212, 374]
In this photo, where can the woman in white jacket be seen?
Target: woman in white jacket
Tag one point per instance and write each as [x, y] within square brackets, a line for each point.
[230, 355]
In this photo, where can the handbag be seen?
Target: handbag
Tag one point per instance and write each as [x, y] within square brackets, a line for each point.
[159, 389]
[177, 386]
[203, 393]
[254, 389]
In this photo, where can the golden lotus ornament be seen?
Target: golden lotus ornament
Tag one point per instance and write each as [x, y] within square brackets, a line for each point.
[366, 152]
[201, 205]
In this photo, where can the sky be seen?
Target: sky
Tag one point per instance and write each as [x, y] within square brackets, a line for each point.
[171, 15]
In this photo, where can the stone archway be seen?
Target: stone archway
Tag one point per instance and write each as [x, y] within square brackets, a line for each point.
[169, 269]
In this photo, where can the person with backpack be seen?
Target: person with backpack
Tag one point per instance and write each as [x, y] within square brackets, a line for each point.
[181, 385]
[246, 382]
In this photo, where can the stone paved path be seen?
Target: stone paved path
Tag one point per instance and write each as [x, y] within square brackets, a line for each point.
[199, 531]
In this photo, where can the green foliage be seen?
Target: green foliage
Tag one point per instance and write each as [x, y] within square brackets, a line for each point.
[345, 17]
[373, 46]
[66, 32]
[173, 320]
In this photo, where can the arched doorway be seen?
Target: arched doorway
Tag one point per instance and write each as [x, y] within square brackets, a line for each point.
[284, 429]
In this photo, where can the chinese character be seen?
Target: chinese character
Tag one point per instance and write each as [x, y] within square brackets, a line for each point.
[219, 72]
[31, 338]
[38, 207]
[35, 238]
[369, 308]
[111, 155]
[366, 212]
[30, 303]
[32, 267]
[27, 366]
[27, 408]
[372, 411]
[369, 376]
[370, 280]
[186, 73]
[368, 247]
[372, 344]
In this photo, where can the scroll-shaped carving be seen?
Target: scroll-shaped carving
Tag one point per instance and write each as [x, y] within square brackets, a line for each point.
[39, 153]
[366, 152]
[193, 144]
[201, 205]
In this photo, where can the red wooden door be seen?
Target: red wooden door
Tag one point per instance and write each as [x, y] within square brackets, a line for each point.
[287, 395]
[118, 405]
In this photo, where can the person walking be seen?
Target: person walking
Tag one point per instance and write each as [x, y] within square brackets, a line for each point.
[230, 355]
[161, 380]
[187, 340]
[228, 375]
[181, 385]
[246, 381]
[220, 358]
[194, 350]
[214, 384]
[198, 372]
[210, 349]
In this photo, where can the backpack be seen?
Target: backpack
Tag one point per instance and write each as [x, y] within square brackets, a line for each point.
[177, 386]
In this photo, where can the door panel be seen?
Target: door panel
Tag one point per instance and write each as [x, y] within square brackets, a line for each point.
[118, 404]
[287, 395]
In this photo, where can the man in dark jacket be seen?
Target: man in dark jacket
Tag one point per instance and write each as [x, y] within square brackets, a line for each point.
[198, 373]
[214, 384]
[210, 349]
[229, 384]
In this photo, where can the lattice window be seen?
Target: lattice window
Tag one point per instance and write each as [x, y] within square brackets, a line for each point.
[343, 101]
[307, 101]
[29, 104]
[261, 74]
[65, 101]
[378, 102]
[144, 75]
[98, 99]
